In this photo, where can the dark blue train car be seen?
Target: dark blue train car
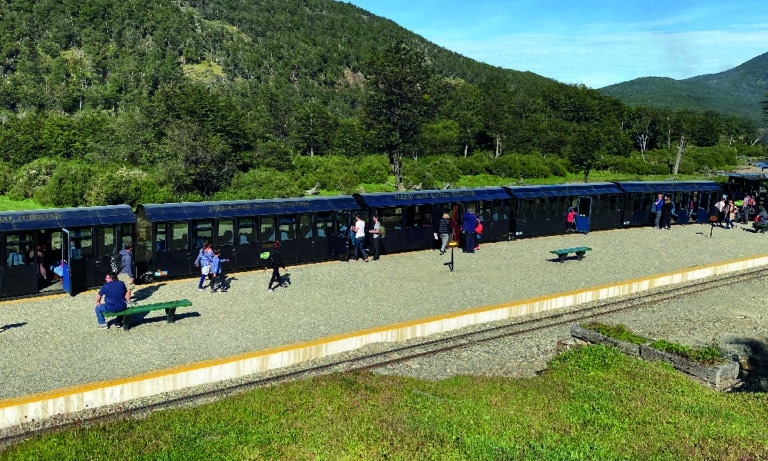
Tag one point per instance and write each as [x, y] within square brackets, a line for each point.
[542, 210]
[691, 200]
[309, 229]
[412, 218]
[33, 243]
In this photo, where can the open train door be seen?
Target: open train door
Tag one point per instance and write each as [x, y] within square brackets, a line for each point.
[583, 219]
[73, 278]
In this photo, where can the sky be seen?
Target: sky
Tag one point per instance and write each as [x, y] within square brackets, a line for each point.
[591, 42]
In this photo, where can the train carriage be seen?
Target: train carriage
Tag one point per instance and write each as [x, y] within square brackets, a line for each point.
[35, 242]
[412, 218]
[309, 229]
[691, 200]
[542, 210]
[752, 184]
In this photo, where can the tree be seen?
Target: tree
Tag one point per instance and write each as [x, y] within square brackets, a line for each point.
[398, 102]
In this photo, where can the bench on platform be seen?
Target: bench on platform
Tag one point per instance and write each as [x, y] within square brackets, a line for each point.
[760, 227]
[562, 253]
[169, 307]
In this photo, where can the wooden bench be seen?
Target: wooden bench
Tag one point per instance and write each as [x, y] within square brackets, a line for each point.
[562, 253]
[169, 307]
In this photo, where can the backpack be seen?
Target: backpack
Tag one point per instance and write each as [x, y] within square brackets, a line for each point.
[382, 231]
[116, 262]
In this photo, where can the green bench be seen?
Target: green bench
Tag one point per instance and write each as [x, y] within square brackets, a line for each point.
[579, 251]
[169, 307]
[760, 227]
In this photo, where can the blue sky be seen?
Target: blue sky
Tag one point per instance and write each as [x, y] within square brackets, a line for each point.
[591, 42]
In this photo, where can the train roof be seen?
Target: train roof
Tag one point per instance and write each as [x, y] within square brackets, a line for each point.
[65, 217]
[563, 190]
[389, 199]
[670, 186]
[185, 211]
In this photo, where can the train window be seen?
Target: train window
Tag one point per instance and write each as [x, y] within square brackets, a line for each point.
[391, 218]
[106, 241]
[81, 243]
[18, 247]
[161, 243]
[179, 237]
[225, 235]
[267, 230]
[202, 231]
[305, 226]
[246, 231]
[324, 224]
[287, 228]
[418, 216]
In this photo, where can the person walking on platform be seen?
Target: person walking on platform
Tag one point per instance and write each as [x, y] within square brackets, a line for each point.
[468, 229]
[204, 261]
[275, 262]
[126, 272]
[117, 297]
[219, 280]
[444, 231]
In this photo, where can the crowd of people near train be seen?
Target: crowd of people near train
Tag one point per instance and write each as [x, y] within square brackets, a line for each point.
[724, 213]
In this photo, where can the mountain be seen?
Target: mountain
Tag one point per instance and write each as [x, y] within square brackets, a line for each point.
[738, 91]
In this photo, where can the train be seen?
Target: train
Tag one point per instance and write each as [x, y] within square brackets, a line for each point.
[166, 237]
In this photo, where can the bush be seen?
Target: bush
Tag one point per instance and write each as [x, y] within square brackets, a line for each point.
[31, 177]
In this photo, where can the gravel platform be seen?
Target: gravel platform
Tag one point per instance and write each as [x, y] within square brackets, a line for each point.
[50, 343]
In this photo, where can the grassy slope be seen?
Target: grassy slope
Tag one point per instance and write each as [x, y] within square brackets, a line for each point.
[592, 403]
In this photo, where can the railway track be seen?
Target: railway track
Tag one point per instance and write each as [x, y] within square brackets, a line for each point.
[386, 354]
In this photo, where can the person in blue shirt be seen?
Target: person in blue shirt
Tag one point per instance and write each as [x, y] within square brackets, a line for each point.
[468, 229]
[204, 261]
[217, 272]
[116, 297]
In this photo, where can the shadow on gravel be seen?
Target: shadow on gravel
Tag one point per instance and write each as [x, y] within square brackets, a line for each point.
[12, 325]
[159, 316]
[752, 356]
[143, 293]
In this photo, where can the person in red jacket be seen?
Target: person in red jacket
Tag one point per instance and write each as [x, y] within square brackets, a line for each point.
[571, 220]
[478, 233]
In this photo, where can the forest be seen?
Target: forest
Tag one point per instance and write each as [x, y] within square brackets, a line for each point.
[105, 102]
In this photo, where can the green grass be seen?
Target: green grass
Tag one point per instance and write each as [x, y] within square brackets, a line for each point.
[7, 204]
[591, 403]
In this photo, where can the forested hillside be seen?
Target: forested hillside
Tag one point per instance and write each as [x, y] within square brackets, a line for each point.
[107, 101]
[739, 91]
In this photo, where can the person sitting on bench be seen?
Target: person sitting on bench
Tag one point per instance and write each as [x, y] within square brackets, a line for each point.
[117, 298]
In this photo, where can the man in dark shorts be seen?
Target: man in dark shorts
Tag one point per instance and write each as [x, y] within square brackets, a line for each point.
[117, 297]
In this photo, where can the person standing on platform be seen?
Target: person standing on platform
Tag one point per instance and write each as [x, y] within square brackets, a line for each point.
[666, 214]
[126, 272]
[117, 297]
[359, 229]
[729, 213]
[376, 237]
[444, 231]
[478, 233]
[468, 229]
[657, 206]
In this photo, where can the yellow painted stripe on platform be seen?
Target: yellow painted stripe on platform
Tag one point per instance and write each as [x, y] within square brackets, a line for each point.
[83, 388]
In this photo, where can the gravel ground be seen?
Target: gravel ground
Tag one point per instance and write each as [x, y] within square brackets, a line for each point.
[53, 342]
